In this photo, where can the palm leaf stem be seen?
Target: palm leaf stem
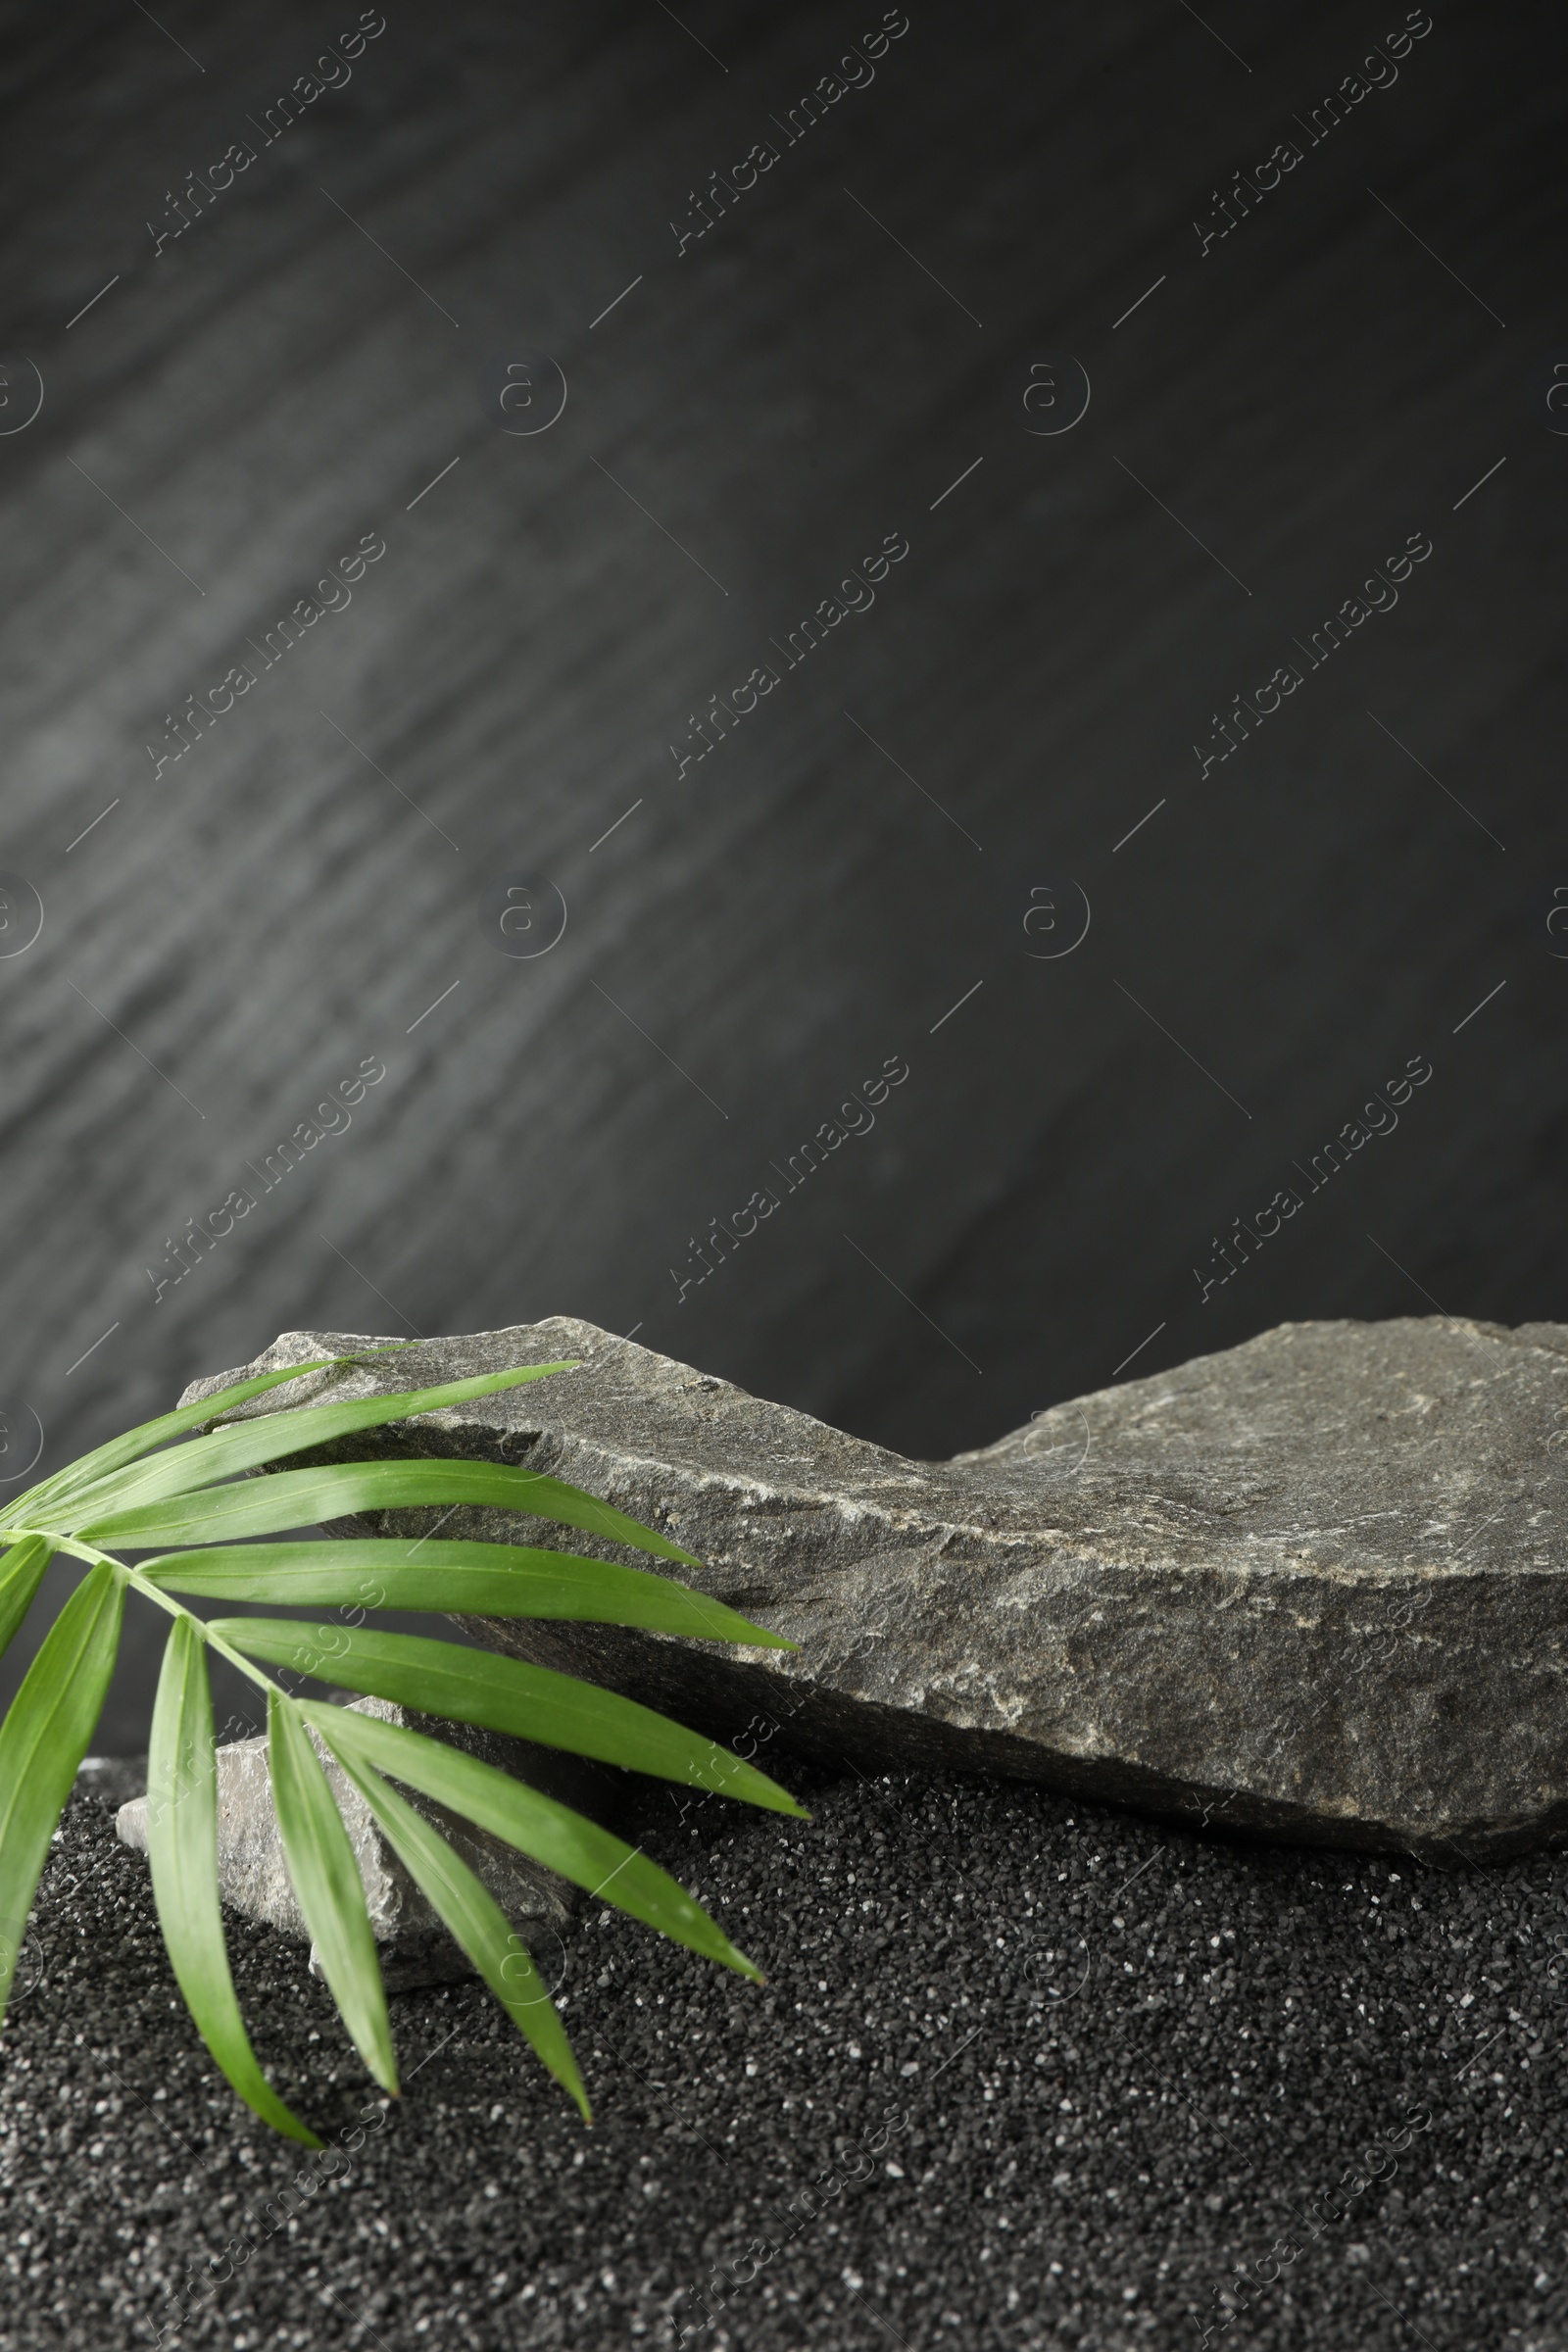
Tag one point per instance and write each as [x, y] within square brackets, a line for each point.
[166, 1602]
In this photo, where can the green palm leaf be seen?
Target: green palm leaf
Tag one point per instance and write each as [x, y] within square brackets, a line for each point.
[270, 1437]
[21, 1573]
[476, 1921]
[53, 1491]
[183, 1849]
[302, 1498]
[43, 1740]
[567, 1843]
[504, 1695]
[325, 1878]
[478, 1580]
[130, 1493]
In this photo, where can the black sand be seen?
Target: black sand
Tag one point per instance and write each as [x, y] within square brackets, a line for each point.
[1025, 2072]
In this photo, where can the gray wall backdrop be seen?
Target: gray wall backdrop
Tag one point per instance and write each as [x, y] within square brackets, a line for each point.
[1294, 363]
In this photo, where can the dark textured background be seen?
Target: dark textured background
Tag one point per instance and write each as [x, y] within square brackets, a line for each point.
[237, 935]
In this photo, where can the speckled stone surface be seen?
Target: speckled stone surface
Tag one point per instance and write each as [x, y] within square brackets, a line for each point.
[1313, 1585]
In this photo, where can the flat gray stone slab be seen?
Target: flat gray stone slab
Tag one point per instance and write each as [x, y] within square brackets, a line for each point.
[1314, 1587]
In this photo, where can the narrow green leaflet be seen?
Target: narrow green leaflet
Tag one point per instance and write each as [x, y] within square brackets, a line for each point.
[325, 1878]
[44, 1739]
[182, 1848]
[272, 1436]
[53, 1493]
[551, 1832]
[479, 1579]
[475, 1919]
[504, 1695]
[21, 1573]
[268, 1506]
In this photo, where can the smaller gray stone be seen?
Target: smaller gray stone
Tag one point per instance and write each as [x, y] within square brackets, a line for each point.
[414, 1946]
